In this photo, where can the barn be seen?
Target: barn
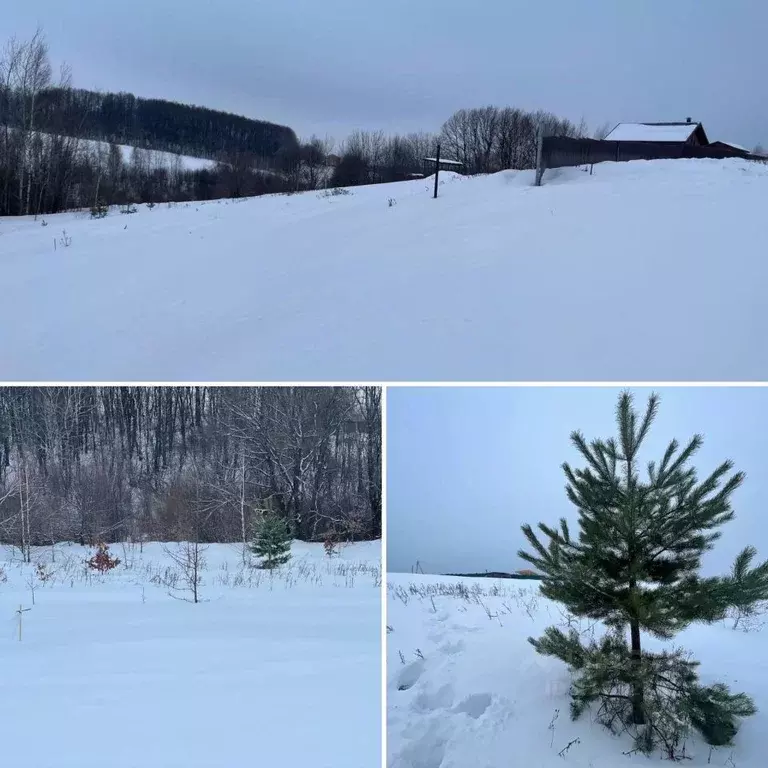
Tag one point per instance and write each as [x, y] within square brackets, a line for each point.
[685, 133]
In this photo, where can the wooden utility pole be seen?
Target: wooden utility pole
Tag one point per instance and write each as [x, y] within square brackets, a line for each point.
[437, 168]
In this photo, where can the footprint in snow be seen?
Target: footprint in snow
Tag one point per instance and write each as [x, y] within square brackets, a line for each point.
[451, 648]
[475, 705]
[428, 701]
[428, 751]
[409, 675]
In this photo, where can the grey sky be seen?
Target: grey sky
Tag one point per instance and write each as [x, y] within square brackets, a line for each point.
[329, 67]
[467, 466]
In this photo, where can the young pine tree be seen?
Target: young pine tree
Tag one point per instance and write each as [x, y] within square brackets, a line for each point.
[272, 541]
[635, 566]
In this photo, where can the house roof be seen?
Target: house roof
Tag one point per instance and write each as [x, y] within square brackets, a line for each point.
[732, 145]
[654, 132]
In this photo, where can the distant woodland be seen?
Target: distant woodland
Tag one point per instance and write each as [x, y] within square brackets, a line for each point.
[108, 464]
[60, 146]
[122, 118]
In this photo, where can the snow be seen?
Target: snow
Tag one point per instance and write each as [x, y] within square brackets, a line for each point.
[160, 159]
[637, 272]
[646, 132]
[279, 671]
[443, 160]
[470, 690]
[157, 158]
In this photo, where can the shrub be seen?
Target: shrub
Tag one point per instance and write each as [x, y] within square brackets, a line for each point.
[102, 561]
[100, 210]
[330, 547]
[42, 572]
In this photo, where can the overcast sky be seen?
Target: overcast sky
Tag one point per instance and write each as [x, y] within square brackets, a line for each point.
[332, 66]
[467, 466]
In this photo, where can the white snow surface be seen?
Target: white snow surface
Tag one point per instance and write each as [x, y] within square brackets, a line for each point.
[646, 132]
[160, 159]
[280, 671]
[642, 271]
[157, 158]
[469, 690]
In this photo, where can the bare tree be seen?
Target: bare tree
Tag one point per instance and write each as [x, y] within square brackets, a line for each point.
[185, 463]
[313, 158]
[25, 513]
[10, 65]
[34, 74]
[189, 557]
[602, 131]
[456, 136]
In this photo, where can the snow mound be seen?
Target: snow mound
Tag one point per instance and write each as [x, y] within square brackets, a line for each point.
[283, 668]
[637, 272]
[466, 688]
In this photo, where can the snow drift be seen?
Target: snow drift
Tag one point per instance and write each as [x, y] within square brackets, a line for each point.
[642, 271]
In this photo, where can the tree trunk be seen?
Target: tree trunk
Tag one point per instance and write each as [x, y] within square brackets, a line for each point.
[242, 502]
[638, 714]
[29, 530]
[21, 513]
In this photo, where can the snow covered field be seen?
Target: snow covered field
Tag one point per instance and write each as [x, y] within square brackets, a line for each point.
[160, 159]
[466, 689]
[112, 671]
[638, 272]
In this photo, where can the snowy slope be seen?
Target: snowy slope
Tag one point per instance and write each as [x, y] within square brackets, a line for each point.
[644, 270]
[160, 159]
[112, 670]
[465, 688]
[157, 158]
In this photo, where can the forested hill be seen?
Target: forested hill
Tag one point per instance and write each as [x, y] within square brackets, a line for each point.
[123, 118]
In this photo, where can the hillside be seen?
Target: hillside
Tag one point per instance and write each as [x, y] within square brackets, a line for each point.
[464, 687]
[121, 667]
[636, 272]
[157, 124]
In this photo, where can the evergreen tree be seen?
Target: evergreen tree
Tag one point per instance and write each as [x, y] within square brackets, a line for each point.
[272, 541]
[635, 565]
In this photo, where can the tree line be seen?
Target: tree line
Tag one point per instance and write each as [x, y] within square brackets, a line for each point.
[108, 464]
[60, 147]
[483, 140]
[122, 118]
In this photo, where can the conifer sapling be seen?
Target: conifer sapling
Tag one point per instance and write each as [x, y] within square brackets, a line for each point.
[635, 566]
[271, 541]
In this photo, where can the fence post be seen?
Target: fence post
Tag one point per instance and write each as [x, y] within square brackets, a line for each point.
[437, 168]
[539, 159]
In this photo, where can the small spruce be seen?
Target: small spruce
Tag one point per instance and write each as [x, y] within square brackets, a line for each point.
[271, 541]
[99, 210]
